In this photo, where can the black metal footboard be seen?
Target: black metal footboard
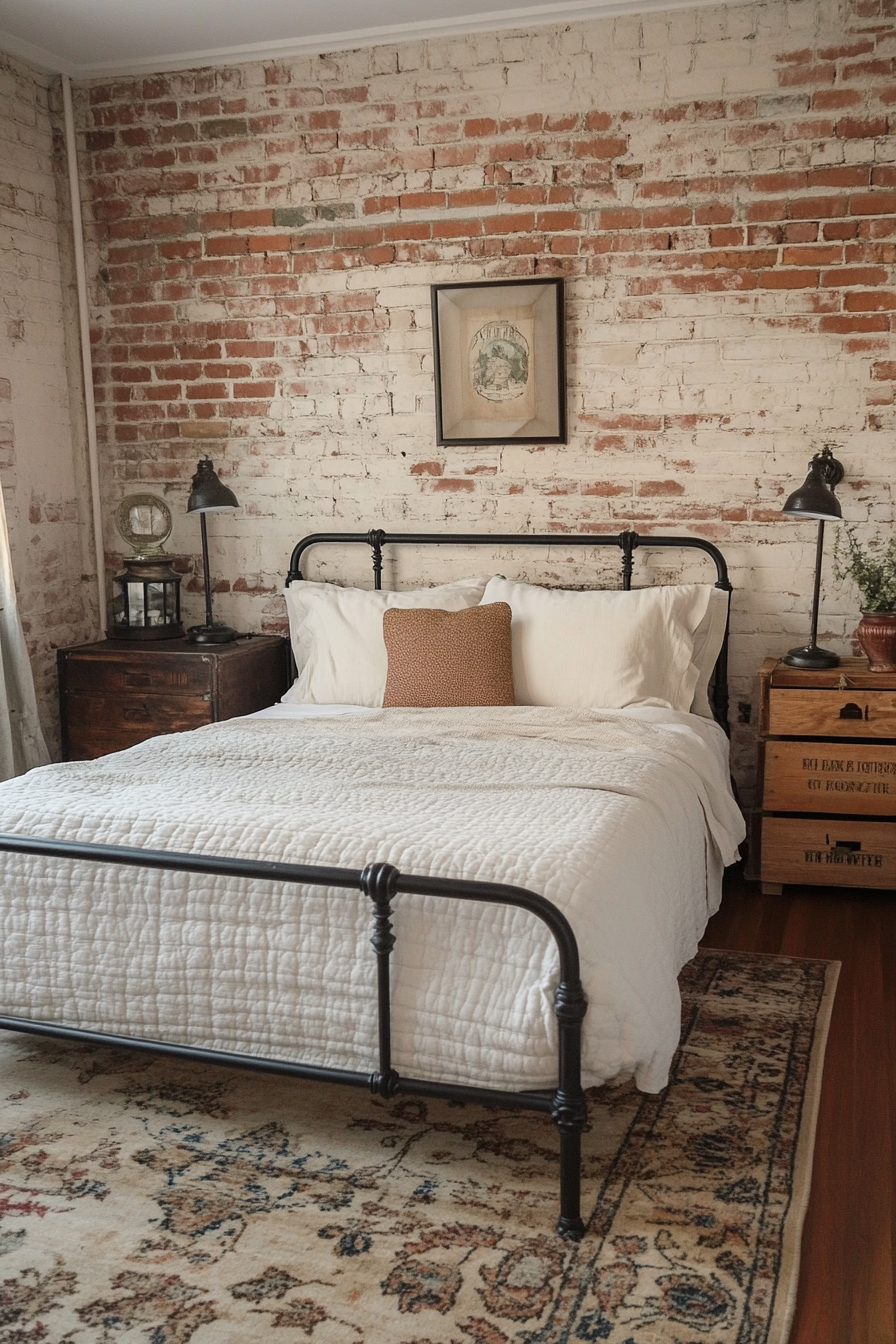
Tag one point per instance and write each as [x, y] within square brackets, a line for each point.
[382, 883]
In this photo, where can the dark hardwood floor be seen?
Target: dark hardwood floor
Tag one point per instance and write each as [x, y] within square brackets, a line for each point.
[847, 1290]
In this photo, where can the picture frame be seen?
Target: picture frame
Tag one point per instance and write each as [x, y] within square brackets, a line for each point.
[500, 367]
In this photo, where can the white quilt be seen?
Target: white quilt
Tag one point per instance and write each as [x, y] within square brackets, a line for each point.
[620, 818]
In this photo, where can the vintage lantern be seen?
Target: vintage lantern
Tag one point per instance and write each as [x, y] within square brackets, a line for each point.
[146, 600]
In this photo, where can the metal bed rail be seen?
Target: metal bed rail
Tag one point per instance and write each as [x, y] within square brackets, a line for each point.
[381, 883]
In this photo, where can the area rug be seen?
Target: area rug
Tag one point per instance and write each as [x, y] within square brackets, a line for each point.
[148, 1199]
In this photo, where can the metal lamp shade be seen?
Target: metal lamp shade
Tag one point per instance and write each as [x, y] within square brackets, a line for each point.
[815, 498]
[209, 495]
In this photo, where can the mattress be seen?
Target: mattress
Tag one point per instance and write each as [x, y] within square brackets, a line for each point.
[623, 819]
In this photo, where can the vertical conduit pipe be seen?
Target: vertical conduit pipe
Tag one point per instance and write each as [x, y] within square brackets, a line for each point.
[86, 364]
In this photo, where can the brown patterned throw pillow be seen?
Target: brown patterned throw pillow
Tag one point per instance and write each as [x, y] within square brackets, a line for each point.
[448, 657]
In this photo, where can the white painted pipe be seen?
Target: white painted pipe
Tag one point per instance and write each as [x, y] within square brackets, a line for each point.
[86, 363]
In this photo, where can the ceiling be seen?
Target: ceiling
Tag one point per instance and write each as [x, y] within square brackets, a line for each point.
[85, 38]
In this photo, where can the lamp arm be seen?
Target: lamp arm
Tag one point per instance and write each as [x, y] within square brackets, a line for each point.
[816, 592]
[207, 577]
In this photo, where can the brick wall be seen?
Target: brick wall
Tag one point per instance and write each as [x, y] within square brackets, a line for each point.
[41, 465]
[717, 186]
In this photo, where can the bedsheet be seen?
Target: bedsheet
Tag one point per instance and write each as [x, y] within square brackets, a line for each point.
[621, 818]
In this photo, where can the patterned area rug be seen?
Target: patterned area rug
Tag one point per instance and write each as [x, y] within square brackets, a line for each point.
[146, 1199]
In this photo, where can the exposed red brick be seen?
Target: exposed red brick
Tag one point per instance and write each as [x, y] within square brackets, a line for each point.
[841, 229]
[867, 70]
[557, 122]
[231, 245]
[254, 389]
[713, 214]
[601, 147]
[803, 232]
[726, 237]
[379, 256]
[873, 203]
[666, 217]
[520, 223]
[861, 128]
[787, 279]
[377, 205]
[825, 100]
[740, 260]
[861, 47]
[768, 210]
[857, 175]
[470, 200]
[860, 301]
[841, 324]
[456, 228]
[621, 218]
[815, 74]
[811, 256]
[606, 489]
[649, 488]
[480, 126]
[525, 196]
[817, 207]
[558, 220]
[270, 242]
[856, 275]
[792, 181]
[423, 200]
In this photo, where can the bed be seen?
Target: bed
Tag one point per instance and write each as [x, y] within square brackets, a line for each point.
[537, 872]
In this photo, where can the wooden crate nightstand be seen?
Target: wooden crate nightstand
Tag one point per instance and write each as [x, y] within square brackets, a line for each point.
[827, 776]
[114, 694]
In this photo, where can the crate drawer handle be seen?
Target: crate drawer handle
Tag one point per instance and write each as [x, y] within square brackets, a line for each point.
[136, 714]
[853, 711]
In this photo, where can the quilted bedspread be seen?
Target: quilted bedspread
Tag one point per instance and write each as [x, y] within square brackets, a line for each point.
[617, 817]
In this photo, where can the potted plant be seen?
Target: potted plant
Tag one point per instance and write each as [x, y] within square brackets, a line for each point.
[872, 568]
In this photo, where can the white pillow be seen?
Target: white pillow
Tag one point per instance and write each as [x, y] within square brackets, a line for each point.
[337, 636]
[603, 649]
[708, 639]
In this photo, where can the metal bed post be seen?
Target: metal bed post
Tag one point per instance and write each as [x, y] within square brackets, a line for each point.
[380, 882]
[376, 539]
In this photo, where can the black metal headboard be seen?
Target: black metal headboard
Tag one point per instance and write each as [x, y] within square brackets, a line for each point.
[627, 542]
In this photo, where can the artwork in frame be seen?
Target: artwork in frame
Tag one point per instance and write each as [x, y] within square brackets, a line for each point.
[499, 362]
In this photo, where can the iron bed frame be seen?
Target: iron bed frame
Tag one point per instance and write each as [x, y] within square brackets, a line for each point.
[382, 883]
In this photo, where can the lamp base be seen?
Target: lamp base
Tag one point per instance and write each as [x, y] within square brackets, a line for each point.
[210, 634]
[811, 656]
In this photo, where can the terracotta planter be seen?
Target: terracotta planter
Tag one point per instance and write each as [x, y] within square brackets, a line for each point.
[876, 633]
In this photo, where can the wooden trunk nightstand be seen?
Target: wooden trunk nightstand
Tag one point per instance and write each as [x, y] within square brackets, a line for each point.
[827, 776]
[115, 693]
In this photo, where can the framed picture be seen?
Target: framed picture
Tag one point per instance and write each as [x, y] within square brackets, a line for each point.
[499, 362]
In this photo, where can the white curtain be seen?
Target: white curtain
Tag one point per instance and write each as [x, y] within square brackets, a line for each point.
[22, 744]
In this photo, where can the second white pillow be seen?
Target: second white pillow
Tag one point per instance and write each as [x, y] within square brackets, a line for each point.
[603, 649]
